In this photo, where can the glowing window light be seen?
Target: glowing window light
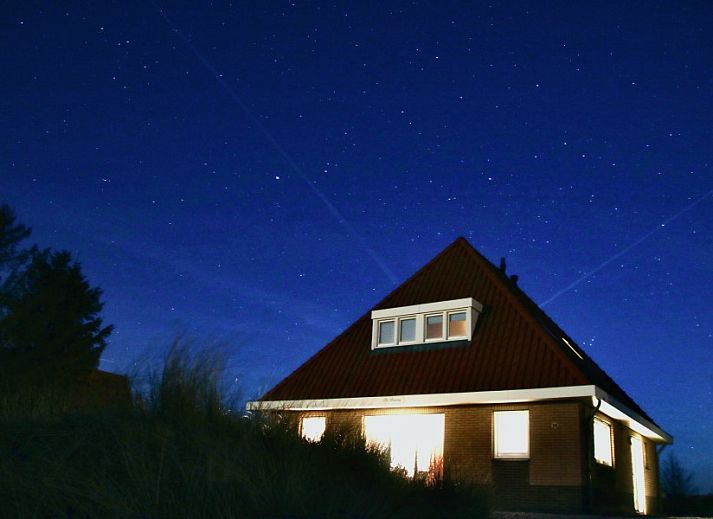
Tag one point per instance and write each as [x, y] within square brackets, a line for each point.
[457, 325]
[313, 427]
[603, 443]
[434, 326]
[414, 441]
[639, 478]
[512, 434]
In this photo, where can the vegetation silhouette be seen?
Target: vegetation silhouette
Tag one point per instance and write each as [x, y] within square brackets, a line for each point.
[178, 451]
[174, 449]
[50, 329]
[11, 234]
[681, 496]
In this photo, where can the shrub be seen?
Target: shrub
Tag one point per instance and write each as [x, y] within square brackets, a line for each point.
[177, 452]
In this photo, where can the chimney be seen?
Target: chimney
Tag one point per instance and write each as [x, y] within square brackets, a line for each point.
[502, 265]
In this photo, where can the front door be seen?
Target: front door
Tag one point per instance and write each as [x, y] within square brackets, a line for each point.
[637, 471]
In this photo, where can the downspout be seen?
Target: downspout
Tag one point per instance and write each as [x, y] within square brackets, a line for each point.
[589, 437]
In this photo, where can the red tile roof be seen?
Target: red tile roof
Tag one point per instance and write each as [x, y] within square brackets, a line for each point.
[515, 346]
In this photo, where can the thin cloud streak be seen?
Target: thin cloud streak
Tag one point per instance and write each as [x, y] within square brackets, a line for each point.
[283, 153]
[626, 249]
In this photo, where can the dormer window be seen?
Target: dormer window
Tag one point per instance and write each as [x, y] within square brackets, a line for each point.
[457, 325]
[441, 321]
[386, 333]
[434, 327]
[407, 330]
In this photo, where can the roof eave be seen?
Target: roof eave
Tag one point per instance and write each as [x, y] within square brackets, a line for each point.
[611, 407]
[607, 404]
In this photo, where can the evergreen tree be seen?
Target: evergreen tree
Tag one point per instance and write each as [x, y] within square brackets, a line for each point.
[50, 328]
[11, 234]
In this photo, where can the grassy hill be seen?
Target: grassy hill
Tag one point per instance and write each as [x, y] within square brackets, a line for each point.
[177, 453]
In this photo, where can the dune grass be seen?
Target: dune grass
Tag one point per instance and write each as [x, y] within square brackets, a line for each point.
[176, 452]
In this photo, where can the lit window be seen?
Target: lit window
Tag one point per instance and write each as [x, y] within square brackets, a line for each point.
[434, 326]
[414, 442]
[512, 434]
[386, 332]
[457, 325]
[603, 442]
[313, 427]
[440, 321]
[408, 330]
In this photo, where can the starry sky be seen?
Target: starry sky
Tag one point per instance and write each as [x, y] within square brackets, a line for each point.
[257, 175]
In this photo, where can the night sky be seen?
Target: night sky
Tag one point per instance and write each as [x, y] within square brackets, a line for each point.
[261, 174]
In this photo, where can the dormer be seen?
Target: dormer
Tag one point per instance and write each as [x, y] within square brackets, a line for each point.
[441, 321]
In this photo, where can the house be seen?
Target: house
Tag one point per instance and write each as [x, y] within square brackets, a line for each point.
[458, 370]
[103, 389]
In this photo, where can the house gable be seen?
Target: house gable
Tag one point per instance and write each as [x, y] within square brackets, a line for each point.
[515, 346]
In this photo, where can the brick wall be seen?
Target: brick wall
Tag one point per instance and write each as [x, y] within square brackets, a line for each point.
[551, 479]
[556, 475]
[613, 486]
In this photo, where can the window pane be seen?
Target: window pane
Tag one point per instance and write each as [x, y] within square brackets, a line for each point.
[457, 325]
[434, 327]
[512, 434]
[386, 332]
[602, 442]
[414, 442]
[408, 330]
[313, 428]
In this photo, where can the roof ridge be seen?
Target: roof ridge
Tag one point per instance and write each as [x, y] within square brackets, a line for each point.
[502, 280]
[457, 270]
[335, 340]
[301, 367]
[459, 240]
[531, 307]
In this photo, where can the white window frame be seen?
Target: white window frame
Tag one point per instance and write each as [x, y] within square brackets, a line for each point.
[602, 461]
[444, 331]
[407, 318]
[448, 327]
[510, 455]
[470, 306]
[378, 333]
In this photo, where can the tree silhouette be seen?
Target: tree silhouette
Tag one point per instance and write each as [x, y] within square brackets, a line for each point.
[50, 329]
[675, 479]
[11, 234]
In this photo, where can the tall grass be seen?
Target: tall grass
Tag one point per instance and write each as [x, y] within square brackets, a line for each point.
[176, 452]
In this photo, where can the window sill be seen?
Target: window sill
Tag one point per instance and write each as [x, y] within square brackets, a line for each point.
[605, 465]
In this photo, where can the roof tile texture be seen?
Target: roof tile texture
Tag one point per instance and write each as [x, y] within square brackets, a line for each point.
[515, 345]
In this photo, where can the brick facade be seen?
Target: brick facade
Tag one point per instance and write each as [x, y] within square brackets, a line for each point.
[612, 487]
[555, 478]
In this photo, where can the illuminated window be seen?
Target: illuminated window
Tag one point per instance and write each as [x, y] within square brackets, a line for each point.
[457, 325]
[386, 332]
[313, 427]
[511, 434]
[434, 327]
[414, 441]
[603, 442]
[425, 322]
[407, 331]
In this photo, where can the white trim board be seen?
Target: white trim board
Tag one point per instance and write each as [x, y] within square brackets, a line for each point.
[609, 405]
[439, 306]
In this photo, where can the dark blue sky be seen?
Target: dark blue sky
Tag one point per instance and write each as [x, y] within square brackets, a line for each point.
[263, 173]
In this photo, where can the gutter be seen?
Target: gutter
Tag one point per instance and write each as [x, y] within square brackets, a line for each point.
[600, 398]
